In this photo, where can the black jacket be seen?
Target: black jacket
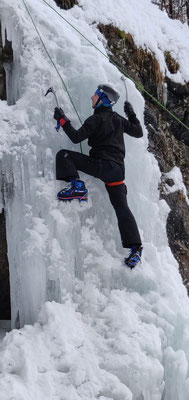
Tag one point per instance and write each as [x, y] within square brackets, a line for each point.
[104, 130]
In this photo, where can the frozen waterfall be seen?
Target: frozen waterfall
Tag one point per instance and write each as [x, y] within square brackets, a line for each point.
[91, 328]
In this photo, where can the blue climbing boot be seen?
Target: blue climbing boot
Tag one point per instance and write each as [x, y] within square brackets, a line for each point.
[134, 257]
[77, 190]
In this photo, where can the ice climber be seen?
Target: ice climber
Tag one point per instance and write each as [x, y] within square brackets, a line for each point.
[104, 131]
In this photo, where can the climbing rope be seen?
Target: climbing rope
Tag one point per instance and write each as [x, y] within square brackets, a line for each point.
[139, 86]
[54, 65]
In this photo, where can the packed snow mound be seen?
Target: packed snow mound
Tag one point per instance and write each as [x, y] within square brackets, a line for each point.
[126, 343]
[151, 29]
[90, 327]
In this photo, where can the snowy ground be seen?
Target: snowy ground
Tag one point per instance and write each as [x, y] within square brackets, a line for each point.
[91, 328]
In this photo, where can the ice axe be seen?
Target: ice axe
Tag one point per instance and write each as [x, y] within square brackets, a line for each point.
[124, 81]
[51, 90]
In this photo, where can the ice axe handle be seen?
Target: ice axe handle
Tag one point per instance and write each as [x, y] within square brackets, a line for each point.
[57, 126]
[124, 81]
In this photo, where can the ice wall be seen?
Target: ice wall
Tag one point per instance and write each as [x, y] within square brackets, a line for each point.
[45, 238]
[135, 323]
[44, 246]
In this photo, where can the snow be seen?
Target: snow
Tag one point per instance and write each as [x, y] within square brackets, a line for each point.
[150, 28]
[178, 184]
[90, 329]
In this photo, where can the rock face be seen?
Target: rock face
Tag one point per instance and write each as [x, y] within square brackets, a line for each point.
[168, 140]
[66, 4]
[2, 72]
[6, 56]
[4, 273]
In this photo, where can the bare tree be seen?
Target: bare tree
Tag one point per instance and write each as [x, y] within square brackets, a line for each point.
[187, 11]
[170, 9]
[176, 9]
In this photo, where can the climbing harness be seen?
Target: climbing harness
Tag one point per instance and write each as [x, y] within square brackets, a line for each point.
[139, 86]
[114, 183]
[64, 85]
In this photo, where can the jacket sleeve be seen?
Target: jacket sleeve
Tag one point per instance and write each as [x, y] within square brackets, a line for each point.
[86, 130]
[133, 127]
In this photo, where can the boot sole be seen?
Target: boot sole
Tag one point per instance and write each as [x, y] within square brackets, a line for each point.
[72, 198]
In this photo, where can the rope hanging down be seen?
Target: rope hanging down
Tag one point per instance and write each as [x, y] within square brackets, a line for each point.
[64, 85]
[121, 70]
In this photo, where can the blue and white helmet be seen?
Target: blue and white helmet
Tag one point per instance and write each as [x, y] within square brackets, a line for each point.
[111, 93]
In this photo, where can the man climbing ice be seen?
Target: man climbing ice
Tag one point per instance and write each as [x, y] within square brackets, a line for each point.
[104, 131]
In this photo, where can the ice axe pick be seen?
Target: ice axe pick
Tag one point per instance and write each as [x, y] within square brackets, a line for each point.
[51, 90]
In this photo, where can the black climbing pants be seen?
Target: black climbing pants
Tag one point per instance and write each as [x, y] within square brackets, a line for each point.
[67, 165]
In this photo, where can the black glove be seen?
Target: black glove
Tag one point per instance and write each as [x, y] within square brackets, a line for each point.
[60, 116]
[128, 108]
